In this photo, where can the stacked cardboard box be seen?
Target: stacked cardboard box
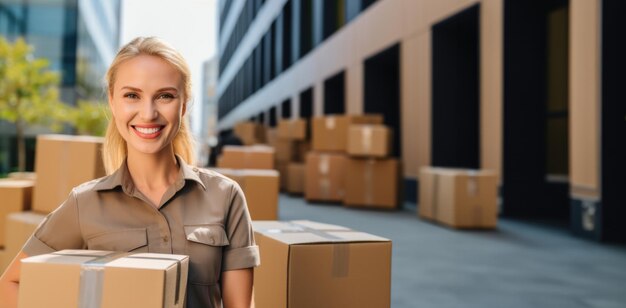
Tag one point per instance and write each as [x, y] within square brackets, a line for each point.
[246, 157]
[250, 133]
[308, 264]
[330, 133]
[92, 278]
[18, 228]
[459, 198]
[326, 164]
[16, 197]
[63, 162]
[291, 148]
[374, 177]
[260, 188]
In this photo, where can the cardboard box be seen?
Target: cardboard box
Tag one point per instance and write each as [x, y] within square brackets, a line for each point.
[369, 140]
[250, 133]
[246, 157]
[330, 133]
[63, 162]
[271, 136]
[307, 264]
[467, 198]
[93, 278]
[427, 193]
[292, 129]
[285, 150]
[296, 175]
[281, 167]
[3, 263]
[302, 148]
[19, 227]
[16, 196]
[325, 174]
[261, 188]
[459, 198]
[29, 176]
[372, 183]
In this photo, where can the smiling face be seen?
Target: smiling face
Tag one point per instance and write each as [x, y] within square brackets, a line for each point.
[147, 104]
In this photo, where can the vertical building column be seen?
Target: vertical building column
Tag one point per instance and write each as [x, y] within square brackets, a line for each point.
[318, 98]
[354, 88]
[318, 22]
[584, 125]
[491, 75]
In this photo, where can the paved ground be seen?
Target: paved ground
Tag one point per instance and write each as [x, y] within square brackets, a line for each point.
[521, 264]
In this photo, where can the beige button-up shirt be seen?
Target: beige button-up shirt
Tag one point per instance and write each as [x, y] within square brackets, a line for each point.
[203, 215]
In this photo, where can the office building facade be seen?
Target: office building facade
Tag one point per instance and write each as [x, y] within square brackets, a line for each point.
[526, 89]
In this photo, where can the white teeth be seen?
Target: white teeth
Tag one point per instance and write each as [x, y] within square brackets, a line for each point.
[147, 131]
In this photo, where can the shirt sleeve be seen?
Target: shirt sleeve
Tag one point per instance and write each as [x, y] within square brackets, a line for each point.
[242, 252]
[59, 230]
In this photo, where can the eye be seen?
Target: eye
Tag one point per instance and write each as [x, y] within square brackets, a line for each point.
[131, 95]
[165, 96]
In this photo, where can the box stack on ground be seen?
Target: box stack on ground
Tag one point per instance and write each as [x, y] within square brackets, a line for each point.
[61, 163]
[252, 167]
[374, 176]
[250, 133]
[309, 264]
[327, 162]
[459, 198]
[291, 146]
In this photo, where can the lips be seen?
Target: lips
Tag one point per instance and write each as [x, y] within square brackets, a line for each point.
[148, 131]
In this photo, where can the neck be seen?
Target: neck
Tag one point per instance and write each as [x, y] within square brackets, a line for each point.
[152, 170]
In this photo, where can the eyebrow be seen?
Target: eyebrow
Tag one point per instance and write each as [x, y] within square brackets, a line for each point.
[159, 90]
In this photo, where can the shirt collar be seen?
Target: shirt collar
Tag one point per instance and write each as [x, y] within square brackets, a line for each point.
[121, 177]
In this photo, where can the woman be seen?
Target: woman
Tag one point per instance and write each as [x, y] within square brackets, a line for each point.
[151, 199]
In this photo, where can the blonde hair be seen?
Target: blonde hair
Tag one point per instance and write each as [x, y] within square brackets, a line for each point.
[114, 151]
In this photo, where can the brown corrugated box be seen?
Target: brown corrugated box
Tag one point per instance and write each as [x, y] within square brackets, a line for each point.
[16, 196]
[19, 227]
[302, 149]
[325, 174]
[296, 175]
[92, 278]
[372, 183]
[285, 150]
[307, 264]
[459, 198]
[281, 167]
[250, 133]
[246, 157]
[427, 193]
[271, 136]
[30, 176]
[292, 129]
[261, 188]
[63, 162]
[330, 133]
[467, 199]
[369, 140]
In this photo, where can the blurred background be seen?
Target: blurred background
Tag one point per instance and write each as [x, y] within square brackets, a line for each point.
[525, 90]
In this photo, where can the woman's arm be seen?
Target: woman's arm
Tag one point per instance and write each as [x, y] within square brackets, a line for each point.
[237, 288]
[10, 282]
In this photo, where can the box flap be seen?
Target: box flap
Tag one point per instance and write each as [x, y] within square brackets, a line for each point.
[309, 232]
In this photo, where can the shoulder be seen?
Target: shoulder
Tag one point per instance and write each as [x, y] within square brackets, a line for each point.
[91, 186]
[212, 178]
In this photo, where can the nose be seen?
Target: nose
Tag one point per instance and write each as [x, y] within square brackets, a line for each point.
[148, 111]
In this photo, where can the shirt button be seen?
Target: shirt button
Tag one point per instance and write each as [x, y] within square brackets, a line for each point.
[166, 239]
[195, 169]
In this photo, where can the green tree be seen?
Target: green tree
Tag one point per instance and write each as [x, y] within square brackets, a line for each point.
[90, 118]
[29, 92]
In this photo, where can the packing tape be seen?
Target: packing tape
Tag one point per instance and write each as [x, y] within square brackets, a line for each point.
[366, 138]
[330, 123]
[324, 164]
[324, 184]
[341, 260]
[92, 276]
[369, 181]
[472, 183]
